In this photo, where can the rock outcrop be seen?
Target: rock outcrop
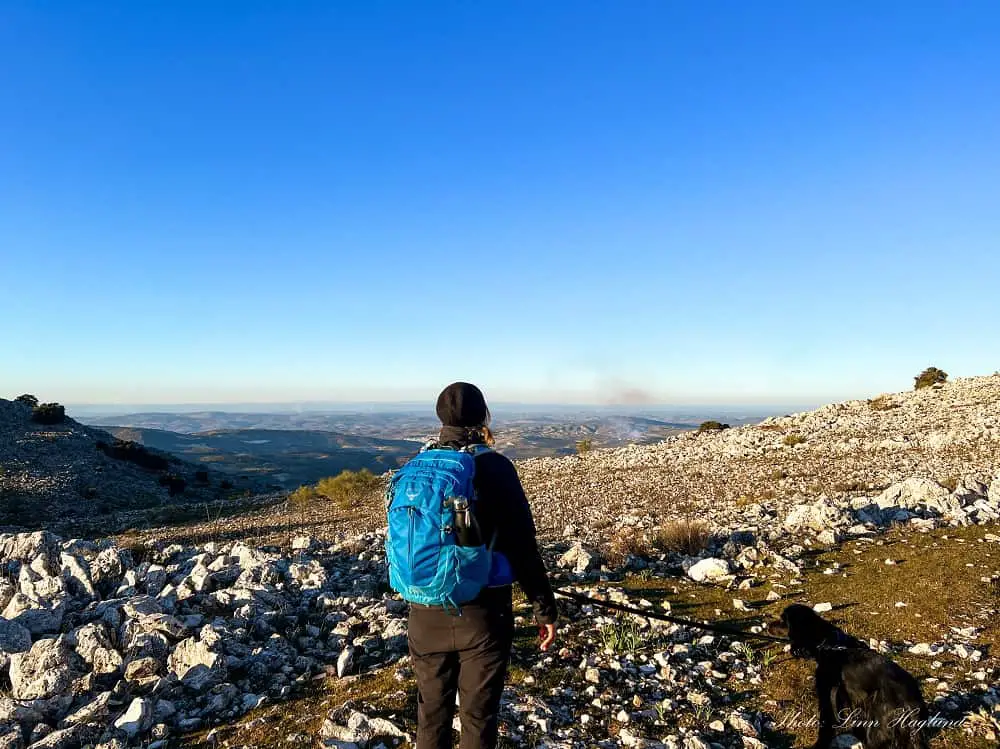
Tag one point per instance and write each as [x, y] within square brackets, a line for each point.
[170, 639]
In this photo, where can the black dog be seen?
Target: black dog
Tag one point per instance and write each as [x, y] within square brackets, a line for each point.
[856, 688]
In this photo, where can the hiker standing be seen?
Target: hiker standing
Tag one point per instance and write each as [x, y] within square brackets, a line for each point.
[460, 534]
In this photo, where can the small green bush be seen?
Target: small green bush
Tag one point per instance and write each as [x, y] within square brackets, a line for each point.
[48, 413]
[930, 376]
[712, 426]
[584, 446]
[794, 439]
[302, 498]
[622, 636]
[27, 398]
[349, 487]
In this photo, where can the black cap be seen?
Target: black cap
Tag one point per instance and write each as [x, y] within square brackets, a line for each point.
[462, 404]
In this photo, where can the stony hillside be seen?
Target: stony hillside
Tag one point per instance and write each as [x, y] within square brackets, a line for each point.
[67, 472]
[247, 632]
[844, 455]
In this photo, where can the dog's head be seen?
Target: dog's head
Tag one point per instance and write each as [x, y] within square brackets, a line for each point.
[806, 629]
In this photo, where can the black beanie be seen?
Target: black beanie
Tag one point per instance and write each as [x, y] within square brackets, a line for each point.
[462, 404]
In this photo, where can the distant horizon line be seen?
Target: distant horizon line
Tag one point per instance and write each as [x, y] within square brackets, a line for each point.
[125, 409]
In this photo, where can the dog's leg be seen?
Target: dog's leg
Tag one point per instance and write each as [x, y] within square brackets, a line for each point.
[827, 681]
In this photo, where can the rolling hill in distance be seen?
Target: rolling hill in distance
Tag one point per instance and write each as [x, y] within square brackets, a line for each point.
[295, 447]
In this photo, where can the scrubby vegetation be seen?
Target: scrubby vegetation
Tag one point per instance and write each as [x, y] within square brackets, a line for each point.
[712, 426]
[929, 377]
[584, 446]
[175, 484]
[794, 439]
[133, 452]
[882, 403]
[48, 413]
[344, 490]
[27, 398]
[683, 537]
[627, 542]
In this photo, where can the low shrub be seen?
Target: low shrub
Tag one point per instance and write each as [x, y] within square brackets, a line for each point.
[929, 377]
[584, 446]
[689, 537]
[27, 398]
[302, 498]
[794, 439]
[712, 426]
[626, 543]
[48, 413]
[133, 452]
[348, 488]
[174, 483]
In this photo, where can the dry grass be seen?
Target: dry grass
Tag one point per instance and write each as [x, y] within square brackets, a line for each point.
[626, 542]
[882, 403]
[683, 537]
[793, 439]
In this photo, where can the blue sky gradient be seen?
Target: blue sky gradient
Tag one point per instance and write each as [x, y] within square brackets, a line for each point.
[673, 202]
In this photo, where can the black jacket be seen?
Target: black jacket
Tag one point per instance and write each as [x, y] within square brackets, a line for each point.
[502, 507]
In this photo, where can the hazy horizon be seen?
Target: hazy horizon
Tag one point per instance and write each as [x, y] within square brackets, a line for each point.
[499, 409]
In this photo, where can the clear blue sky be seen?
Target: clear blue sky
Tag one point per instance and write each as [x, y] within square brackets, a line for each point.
[563, 201]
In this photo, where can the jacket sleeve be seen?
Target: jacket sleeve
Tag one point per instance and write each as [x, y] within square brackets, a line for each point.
[516, 536]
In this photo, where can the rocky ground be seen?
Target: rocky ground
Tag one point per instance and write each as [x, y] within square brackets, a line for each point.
[248, 632]
[109, 646]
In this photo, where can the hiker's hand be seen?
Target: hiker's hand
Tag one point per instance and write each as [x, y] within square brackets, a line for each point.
[546, 636]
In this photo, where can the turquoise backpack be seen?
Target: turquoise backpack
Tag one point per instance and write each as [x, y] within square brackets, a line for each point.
[435, 552]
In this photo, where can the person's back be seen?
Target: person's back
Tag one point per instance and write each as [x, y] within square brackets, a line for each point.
[467, 651]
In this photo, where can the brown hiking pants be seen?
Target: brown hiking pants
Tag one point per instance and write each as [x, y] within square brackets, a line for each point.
[465, 654]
